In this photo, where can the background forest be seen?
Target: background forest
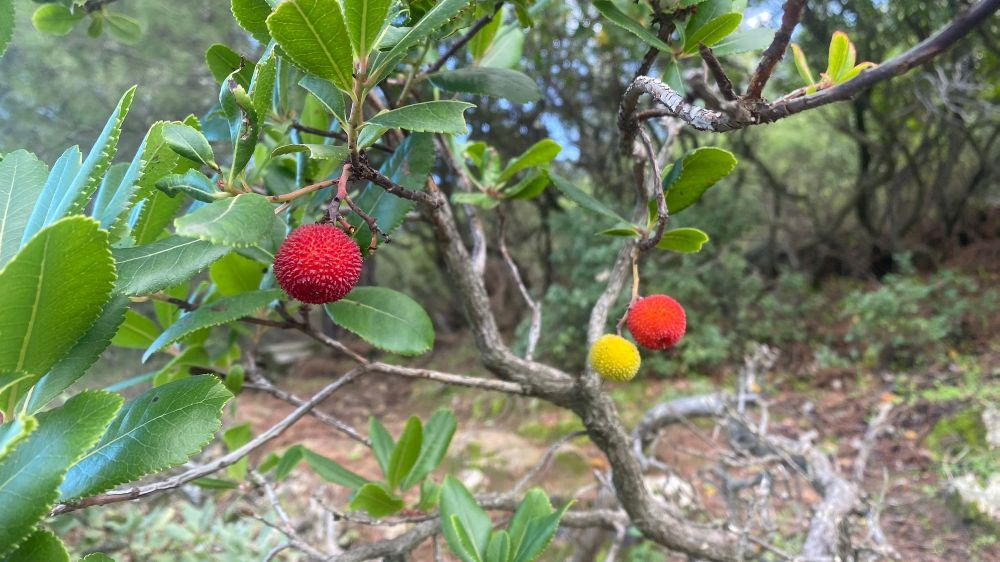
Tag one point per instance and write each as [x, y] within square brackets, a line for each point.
[857, 248]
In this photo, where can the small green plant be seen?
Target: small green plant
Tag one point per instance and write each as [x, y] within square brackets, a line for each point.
[469, 531]
[840, 66]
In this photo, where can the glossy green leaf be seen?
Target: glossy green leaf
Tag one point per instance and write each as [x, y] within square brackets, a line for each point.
[164, 263]
[214, 314]
[328, 95]
[801, 65]
[619, 18]
[332, 472]
[382, 443]
[535, 505]
[81, 357]
[754, 39]
[481, 41]
[404, 455]
[136, 332]
[15, 431]
[853, 72]
[626, 231]
[123, 28]
[683, 240]
[542, 152]
[538, 534]
[433, 19]
[235, 274]
[191, 183]
[385, 318]
[22, 178]
[53, 291]
[364, 22]
[160, 428]
[672, 76]
[506, 50]
[118, 193]
[460, 510]
[252, 16]
[55, 19]
[437, 434]
[427, 117]
[313, 35]
[496, 82]
[583, 199]
[712, 32]
[499, 548]
[41, 545]
[531, 186]
[338, 153]
[239, 221]
[841, 56]
[700, 169]
[31, 474]
[265, 73]
[408, 166]
[189, 143]
[376, 501]
[223, 61]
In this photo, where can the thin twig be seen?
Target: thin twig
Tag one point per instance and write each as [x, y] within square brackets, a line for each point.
[535, 331]
[715, 67]
[663, 215]
[476, 28]
[789, 19]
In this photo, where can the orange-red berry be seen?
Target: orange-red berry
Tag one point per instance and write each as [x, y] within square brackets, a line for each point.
[318, 264]
[657, 322]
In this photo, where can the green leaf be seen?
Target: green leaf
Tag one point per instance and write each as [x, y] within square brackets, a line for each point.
[802, 65]
[434, 18]
[213, 314]
[72, 183]
[235, 274]
[460, 510]
[223, 61]
[115, 198]
[239, 221]
[499, 547]
[189, 143]
[6, 24]
[96, 26]
[856, 70]
[484, 200]
[538, 534]
[481, 41]
[364, 22]
[252, 16]
[265, 73]
[506, 50]
[235, 378]
[164, 263]
[582, 199]
[673, 77]
[338, 153]
[683, 240]
[313, 35]
[97, 557]
[404, 455]
[535, 505]
[328, 95]
[542, 152]
[15, 431]
[32, 472]
[191, 183]
[625, 231]
[409, 167]
[137, 332]
[332, 472]
[376, 501]
[841, 56]
[160, 428]
[531, 186]
[292, 457]
[429, 494]
[123, 28]
[382, 444]
[42, 545]
[700, 169]
[53, 291]
[22, 178]
[385, 318]
[437, 434]
[622, 20]
[427, 117]
[497, 82]
[753, 39]
[55, 19]
[234, 438]
[217, 483]
[712, 32]
[81, 357]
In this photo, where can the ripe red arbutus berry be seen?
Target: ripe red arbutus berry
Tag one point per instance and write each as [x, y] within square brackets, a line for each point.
[657, 322]
[318, 264]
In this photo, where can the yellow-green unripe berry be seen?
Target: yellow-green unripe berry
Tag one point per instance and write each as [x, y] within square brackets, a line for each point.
[615, 358]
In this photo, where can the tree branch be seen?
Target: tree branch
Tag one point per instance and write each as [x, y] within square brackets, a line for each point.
[792, 11]
[715, 67]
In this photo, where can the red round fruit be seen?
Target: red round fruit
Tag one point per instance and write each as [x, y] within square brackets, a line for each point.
[318, 264]
[657, 322]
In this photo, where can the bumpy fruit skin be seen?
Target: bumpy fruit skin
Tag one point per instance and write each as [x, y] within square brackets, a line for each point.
[657, 322]
[318, 264]
[615, 358]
